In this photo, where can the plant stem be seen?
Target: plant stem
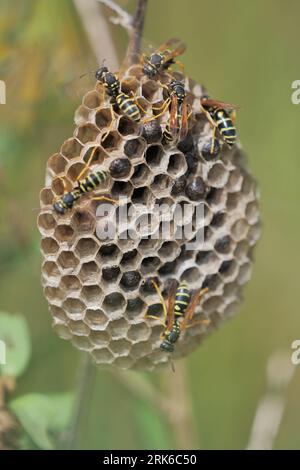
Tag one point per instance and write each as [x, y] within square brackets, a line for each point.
[134, 45]
[173, 403]
[180, 416]
[271, 407]
[120, 17]
[143, 389]
[97, 31]
[86, 375]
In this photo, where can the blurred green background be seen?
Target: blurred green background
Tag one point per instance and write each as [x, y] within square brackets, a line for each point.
[245, 53]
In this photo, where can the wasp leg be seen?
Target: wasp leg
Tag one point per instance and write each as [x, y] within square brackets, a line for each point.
[111, 126]
[213, 140]
[142, 61]
[87, 165]
[189, 115]
[157, 115]
[213, 124]
[165, 104]
[158, 291]
[162, 336]
[155, 318]
[180, 65]
[198, 322]
[163, 85]
[66, 189]
[208, 116]
[138, 104]
[62, 178]
[65, 185]
[105, 198]
[233, 116]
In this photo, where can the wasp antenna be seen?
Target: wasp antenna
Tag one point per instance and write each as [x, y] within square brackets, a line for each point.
[83, 75]
[87, 73]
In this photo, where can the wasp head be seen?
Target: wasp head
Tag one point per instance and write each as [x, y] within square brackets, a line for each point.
[152, 65]
[100, 73]
[178, 88]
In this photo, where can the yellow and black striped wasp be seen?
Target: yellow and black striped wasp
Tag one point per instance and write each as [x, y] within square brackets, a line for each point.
[126, 103]
[222, 117]
[177, 125]
[179, 312]
[162, 58]
[83, 186]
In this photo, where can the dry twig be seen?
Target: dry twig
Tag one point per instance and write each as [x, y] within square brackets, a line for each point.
[132, 24]
[121, 17]
[97, 31]
[180, 414]
[270, 409]
[84, 381]
[144, 390]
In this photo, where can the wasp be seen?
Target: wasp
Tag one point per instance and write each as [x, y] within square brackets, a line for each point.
[83, 186]
[161, 59]
[179, 312]
[67, 201]
[126, 103]
[177, 125]
[221, 116]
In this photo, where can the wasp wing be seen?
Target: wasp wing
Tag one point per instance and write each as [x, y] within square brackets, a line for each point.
[175, 53]
[184, 120]
[192, 307]
[173, 116]
[168, 43]
[218, 104]
[171, 303]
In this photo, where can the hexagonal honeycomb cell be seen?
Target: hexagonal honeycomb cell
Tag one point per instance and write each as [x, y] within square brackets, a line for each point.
[99, 290]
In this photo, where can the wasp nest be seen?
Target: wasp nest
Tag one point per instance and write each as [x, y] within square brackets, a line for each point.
[99, 291]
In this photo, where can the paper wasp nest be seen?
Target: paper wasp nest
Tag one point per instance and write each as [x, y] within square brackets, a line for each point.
[99, 291]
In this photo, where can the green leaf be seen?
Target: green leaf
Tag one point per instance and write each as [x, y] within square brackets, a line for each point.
[15, 347]
[43, 416]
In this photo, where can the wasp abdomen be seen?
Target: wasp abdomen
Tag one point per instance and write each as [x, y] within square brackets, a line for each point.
[87, 184]
[128, 106]
[182, 299]
[225, 126]
[171, 338]
[92, 181]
